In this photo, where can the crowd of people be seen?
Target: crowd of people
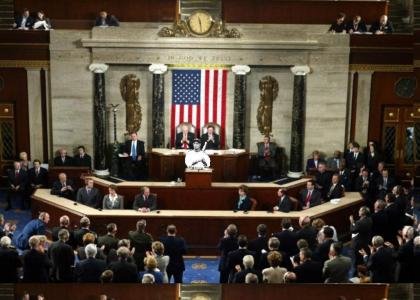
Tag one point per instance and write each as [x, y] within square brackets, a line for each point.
[358, 26]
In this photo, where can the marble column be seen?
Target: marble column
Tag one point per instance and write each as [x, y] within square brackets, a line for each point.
[362, 98]
[158, 105]
[239, 107]
[298, 121]
[99, 119]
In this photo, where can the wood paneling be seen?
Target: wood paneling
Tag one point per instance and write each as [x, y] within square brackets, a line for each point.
[24, 45]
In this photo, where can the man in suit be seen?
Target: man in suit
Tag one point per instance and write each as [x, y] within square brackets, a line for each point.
[284, 204]
[64, 223]
[384, 184]
[89, 195]
[307, 232]
[9, 261]
[383, 26]
[106, 20]
[267, 156]
[259, 244]
[184, 139]
[248, 263]
[310, 197]
[337, 268]
[394, 217]
[36, 264]
[380, 221]
[235, 257]
[90, 269]
[364, 186]
[124, 271]
[287, 238]
[355, 161]
[210, 139]
[322, 180]
[135, 156]
[63, 160]
[309, 270]
[82, 159]
[84, 228]
[175, 248]
[361, 231]
[228, 243]
[23, 21]
[63, 187]
[33, 227]
[338, 26]
[17, 180]
[333, 163]
[344, 173]
[312, 163]
[109, 241]
[274, 245]
[357, 25]
[144, 202]
[381, 262]
[335, 190]
[62, 258]
[37, 176]
[142, 242]
[323, 249]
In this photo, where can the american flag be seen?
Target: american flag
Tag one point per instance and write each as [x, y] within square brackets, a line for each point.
[199, 97]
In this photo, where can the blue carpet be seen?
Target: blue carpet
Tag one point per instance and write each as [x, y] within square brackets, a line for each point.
[15, 215]
[201, 270]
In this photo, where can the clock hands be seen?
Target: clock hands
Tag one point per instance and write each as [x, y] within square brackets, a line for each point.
[199, 21]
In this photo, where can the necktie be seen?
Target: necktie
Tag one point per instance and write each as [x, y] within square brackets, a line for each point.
[337, 161]
[133, 151]
[266, 152]
[308, 197]
[316, 164]
[145, 202]
[17, 174]
[355, 156]
[185, 145]
[37, 172]
[63, 159]
[88, 191]
[385, 182]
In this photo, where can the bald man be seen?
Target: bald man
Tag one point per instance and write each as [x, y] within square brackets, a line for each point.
[63, 187]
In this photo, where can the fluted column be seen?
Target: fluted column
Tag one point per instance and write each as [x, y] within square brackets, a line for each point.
[99, 119]
[298, 121]
[158, 105]
[239, 109]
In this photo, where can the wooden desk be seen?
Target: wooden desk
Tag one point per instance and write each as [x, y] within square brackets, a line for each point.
[227, 165]
[201, 229]
[219, 196]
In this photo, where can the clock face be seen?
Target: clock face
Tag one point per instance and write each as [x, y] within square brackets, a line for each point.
[200, 22]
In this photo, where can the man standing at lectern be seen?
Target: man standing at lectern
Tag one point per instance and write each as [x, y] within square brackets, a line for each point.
[184, 139]
[135, 156]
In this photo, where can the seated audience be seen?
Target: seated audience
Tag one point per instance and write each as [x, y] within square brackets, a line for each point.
[17, 179]
[383, 26]
[335, 190]
[274, 274]
[33, 227]
[62, 258]
[82, 159]
[112, 200]
[24, 20]
[106, 20]
[175, 248]
[244, 202]
[9, 261]
[338, 26]
[333, 163]
[141, 241]
[228, 243]
[63, 160]
[312, 163]
[310, 197]
[145, 202]
[25, 163]
[235, 257]
[158, 250]
[36, 264]
[357, 25]
[63, 187]
[337, 268]
[109, 241]
[308, 270]
[84, 228]
[322, 179]
[184, 139]
[210, 139]
[150, 264]
[41, 21]
[384, 184]
[284, 204]
[89, 195]
[241, 273]
[267, 157]
[124, 270]
[37, 176]
[90, 269]
[260, 243]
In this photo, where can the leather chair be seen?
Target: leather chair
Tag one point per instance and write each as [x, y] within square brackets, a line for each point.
[191, 127]
[254, 203]
[215, 125]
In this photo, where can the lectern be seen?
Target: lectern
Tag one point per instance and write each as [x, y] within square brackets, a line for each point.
[198, 179]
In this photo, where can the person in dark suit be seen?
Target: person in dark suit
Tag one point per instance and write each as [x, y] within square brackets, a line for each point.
[33, 227]
[394, 214]
[145, 202]
[384, 184]
[333, 163]
[355, 161]
[323, 249]
[372, 156]
[383, 26]
[344, 173]
[89, 238]
[89, 195]
[82, 159]
[310, 197]
[84, 228]
[64, 223]
[335, 190]
[244, 202]
[362, 231]
[380, 221]
[405, 254]
[63, 187]
[287, 238]
[338, 26]
[312, 163]
[9, 261]
[175, 248]
[62, 258]
[23, 20]
[210, 139]
[112, 200]
[106, 20]
[248, 263]
[109, 241]
[36, 264]
[135, 157]
[322, 180]
[235, 257]
[228, 243]
[267, 157]
[337, 268]
[141, 241]
[17, 179]
[124, 271]
[364, 186]
[284, 204]
[184, 139]
[309, 270]
[307, 232]
[63, 160]
[259, 244]
[274, 245]
[357, 25]
[37, 176]
[90, 269]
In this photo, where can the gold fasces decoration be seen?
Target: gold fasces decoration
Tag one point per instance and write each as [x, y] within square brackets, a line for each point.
[181, 29]
[129, 88]
[269, 88]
